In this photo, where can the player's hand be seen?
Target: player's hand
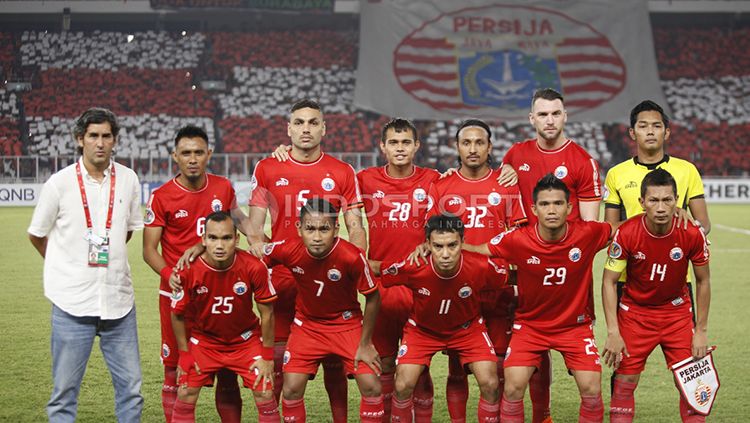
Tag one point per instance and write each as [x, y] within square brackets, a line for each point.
[700, 344]
[264, 373]
[419, 253]
[282, 152]
[614, 349]
[184, 363]
[448, 172]
[683, 218]
[508, 176]
[189, 256]
[368, 355]
[175, 284]
[256, 249]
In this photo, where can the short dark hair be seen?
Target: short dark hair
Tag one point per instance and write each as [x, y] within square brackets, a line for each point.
[550, 182]
[548, 94]
[306, 104]
[95, 115]
[399, 125]
[474, 122]
[658, 178]
[319, 205]
[647, 106]
[190, 131]
[444, 223]
[219, 216]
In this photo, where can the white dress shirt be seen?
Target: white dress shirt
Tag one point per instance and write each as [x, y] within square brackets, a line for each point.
[69, 282]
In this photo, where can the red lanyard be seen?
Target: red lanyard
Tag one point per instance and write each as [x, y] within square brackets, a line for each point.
[89, 225]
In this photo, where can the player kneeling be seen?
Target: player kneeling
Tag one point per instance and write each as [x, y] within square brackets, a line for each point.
[328, 320]
[445, 316]
[216, 303]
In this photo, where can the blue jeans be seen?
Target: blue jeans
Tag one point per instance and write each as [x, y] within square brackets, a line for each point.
[72, 339]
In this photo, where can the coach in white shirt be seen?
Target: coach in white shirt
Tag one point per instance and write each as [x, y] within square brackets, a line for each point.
[85, 216]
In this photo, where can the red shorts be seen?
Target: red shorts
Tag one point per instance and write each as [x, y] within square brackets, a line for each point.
[283, 307]
[471, 344]
[497, 310]
[169, 354]
[211, 360]
[395, 305]
[643, 331]
[308, 347]
[576, 344]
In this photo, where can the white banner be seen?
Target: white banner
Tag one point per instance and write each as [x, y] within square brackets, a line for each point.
[727, 190]
[442, 59]
[19, 194]
[698, 382]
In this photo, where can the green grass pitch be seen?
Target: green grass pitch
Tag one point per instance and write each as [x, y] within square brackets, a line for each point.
[24, 341]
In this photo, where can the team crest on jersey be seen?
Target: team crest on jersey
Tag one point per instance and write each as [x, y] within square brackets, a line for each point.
[675, 253]
[165, 351]
[287, 356]
[574, 254]
[216, 205]
[464, 292]
[334, 275]
[378, 194]
[149, 217]
[561, 172]
[615, 251]
[493, 198]
[239, 288]
[328, 184]
[419, 194]
[346, 315]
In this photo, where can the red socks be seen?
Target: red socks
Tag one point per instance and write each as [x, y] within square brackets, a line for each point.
[371, 409]
[228, 397]
[592, 410]
[268, 411]
[688, 414]
[539, 390]
[456, 390]
[294, 410]
[402, 410]
[622, 405]
[511, 411]
[336, 386]
[183, 412]
[423, 398]
[386, 388]
[487, 412]
[169, 392]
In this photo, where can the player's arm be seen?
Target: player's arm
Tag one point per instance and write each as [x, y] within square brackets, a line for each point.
[151, 240]
[508, 176]
[254, 225]
[482, 249]
[40, 243]
[699, 210]
[375, 266]
[614, 347]
[703, 299]
[264, 364]
[612, 214]
[589, 210]
[239, 218]
[186, 359]
[355, 227]
[366, 351]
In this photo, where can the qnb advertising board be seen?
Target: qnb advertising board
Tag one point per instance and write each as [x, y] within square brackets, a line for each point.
[443, 59]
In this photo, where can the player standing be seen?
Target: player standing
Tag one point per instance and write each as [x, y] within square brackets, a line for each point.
[656, 308]
[554, 259]
[328, 272]
[446, 315]
[395, 202]
[175, 219]
[282, 188]
[217, 304]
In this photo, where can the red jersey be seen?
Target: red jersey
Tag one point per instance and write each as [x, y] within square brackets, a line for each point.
[569, 163]
[443, 305]
[219, 302]
[657, 265]
[181, 213]
[395, 209]
[283, 187]
[485, 207]
[554, 278]
[326, 287]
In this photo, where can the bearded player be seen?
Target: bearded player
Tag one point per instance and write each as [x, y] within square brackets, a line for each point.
[656, 308]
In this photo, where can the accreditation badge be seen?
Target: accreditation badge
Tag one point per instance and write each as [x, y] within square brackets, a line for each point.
[698, 382]
[98, 250]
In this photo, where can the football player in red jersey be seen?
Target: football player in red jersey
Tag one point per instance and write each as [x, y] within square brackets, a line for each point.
[175, 219]
[219, 291]
[554, 259]
[654, 250]
[395, 202]
[486, 208]
[446, 315]
[328, 272]
[282, 189]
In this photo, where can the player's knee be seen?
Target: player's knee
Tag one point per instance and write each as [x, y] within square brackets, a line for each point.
[488, 386]
[370, 386]
[188, 394]
[627, 378]
[590, 388]
[403, 388]
[513, 390]
[263, 396]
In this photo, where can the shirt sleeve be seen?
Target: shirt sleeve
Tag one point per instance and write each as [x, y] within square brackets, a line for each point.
[433, 202]
[617, 249]
[699, 254]
[602, 231]
[515, 204]
[263, 290]
[611, 195]
[589, 186]
[392, 274]
[695, 184]
[495, 276]
[508, 158]
[363, 275]
[275, 253]
[181, 299]
[350, 190]
[155, 213]
[259, 193]
[45, 212]
[135, 218]
[500, 245]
